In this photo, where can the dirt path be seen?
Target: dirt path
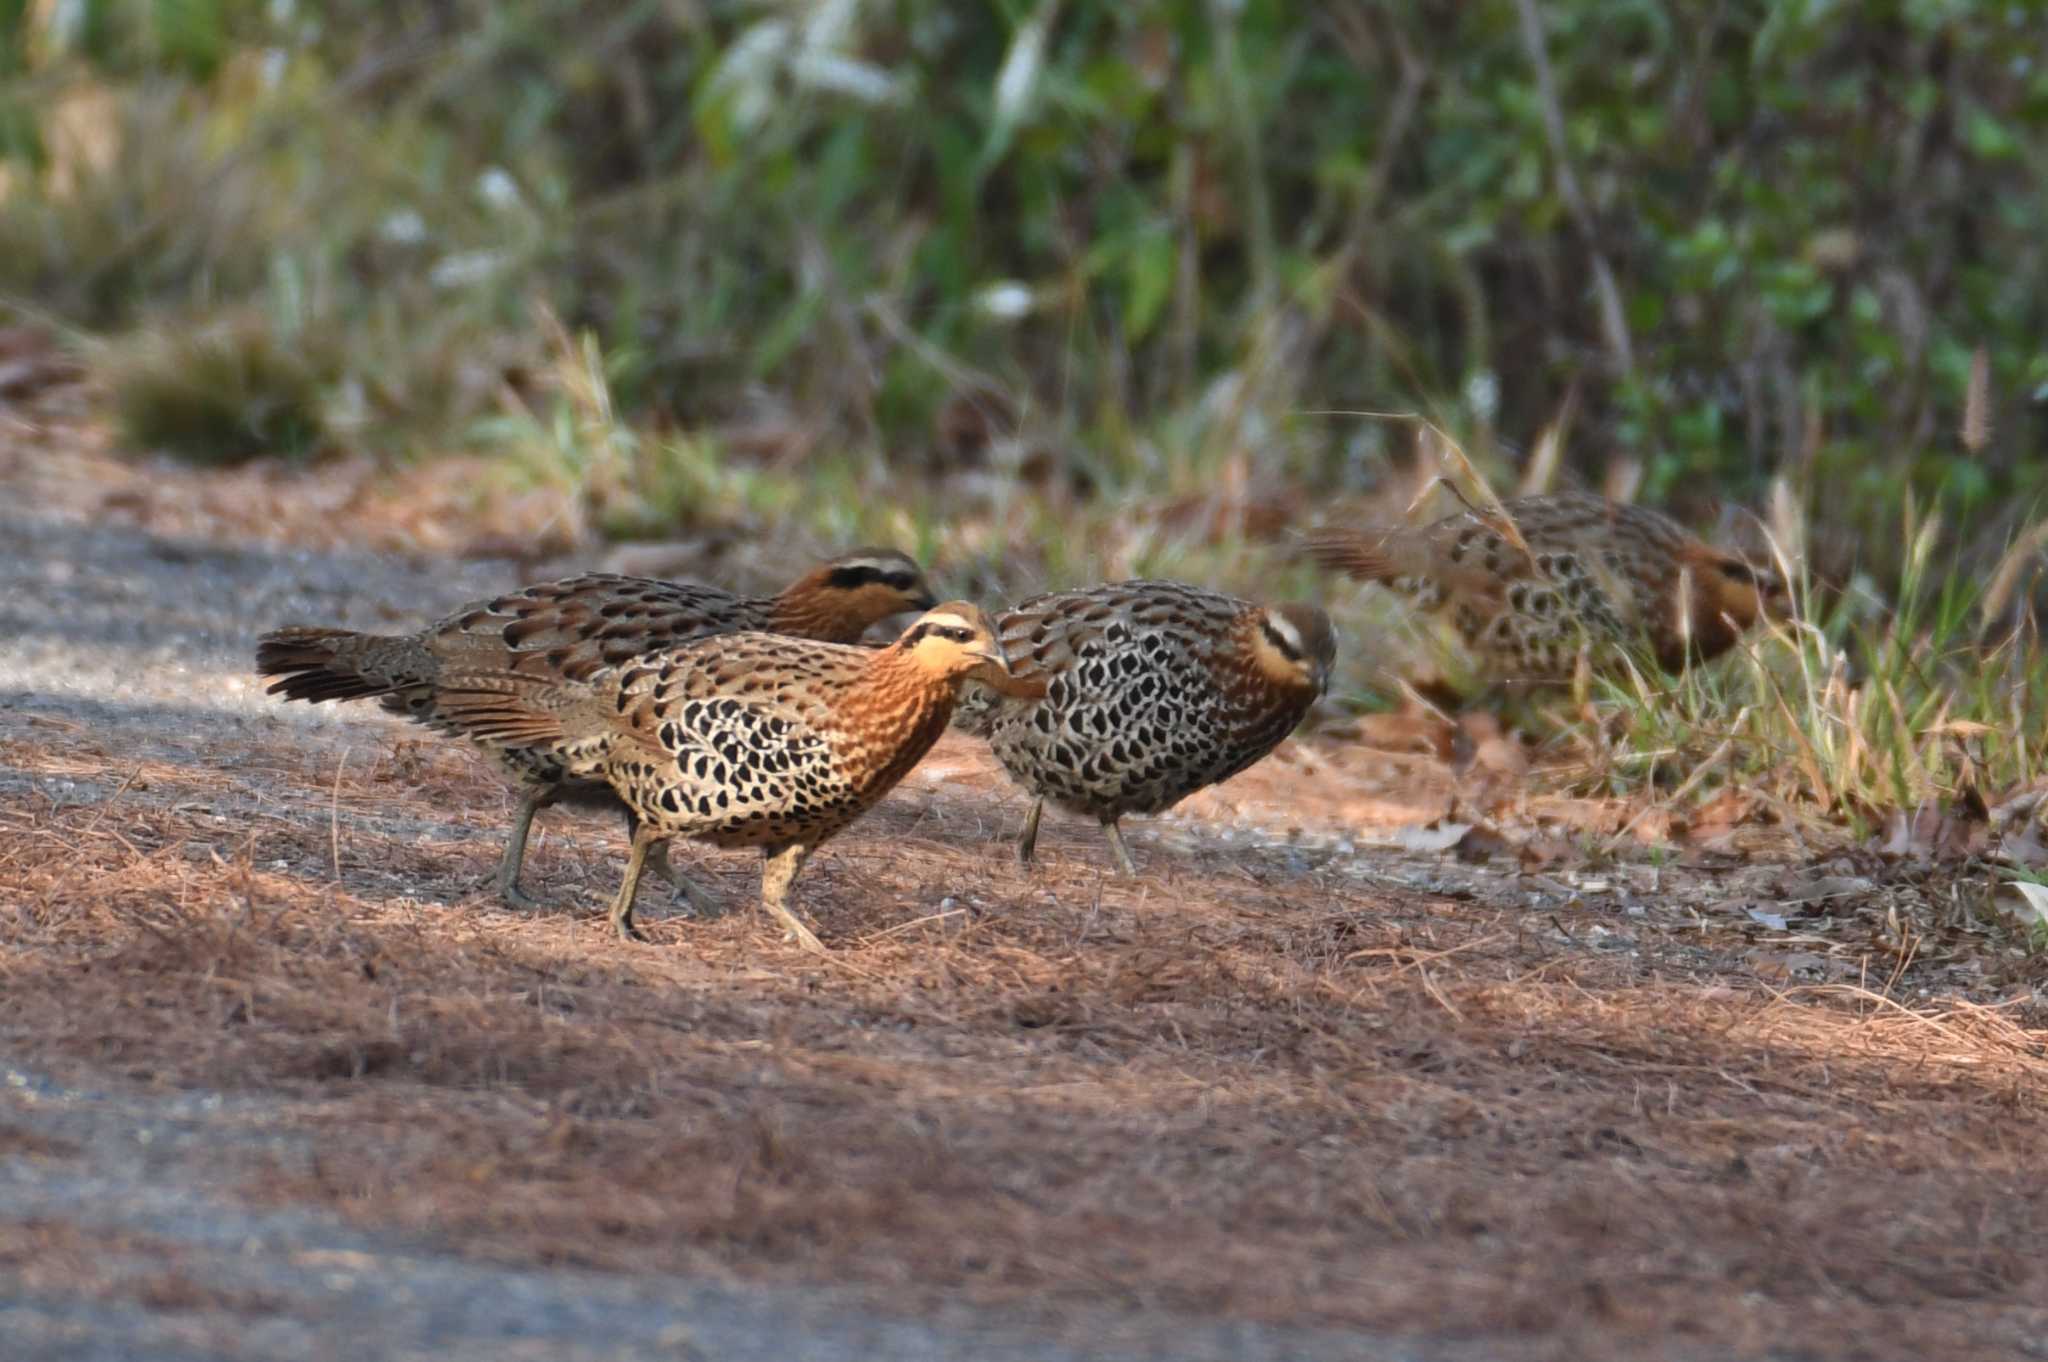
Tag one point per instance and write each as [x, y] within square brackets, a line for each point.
[123, 1238]
[277, 1077]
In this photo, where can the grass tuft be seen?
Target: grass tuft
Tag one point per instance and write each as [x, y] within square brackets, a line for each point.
[226, 394]
[1855, 707]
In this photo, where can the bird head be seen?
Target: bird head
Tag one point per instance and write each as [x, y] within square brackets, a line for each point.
[1295, 646]
[842, 596]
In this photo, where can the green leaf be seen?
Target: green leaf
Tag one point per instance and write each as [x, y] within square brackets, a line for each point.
[1148, 280]
[1988, 137]
[191, 33]
[785, 333]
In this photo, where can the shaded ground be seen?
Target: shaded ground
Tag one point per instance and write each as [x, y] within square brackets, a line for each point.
[1331, 1079]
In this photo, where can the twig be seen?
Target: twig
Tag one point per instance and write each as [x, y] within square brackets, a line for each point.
[1410, 958]
[903, 927]
[1429, 987]
[1612, 319]
[334, 814]
[1686, 787]
[108, 801]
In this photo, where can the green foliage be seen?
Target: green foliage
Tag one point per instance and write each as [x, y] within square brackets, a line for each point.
[1175, 224]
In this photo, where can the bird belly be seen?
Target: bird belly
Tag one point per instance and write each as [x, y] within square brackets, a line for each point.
[1131, 731]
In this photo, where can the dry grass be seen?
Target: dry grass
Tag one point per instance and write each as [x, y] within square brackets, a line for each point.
[62, 1259]
[1246, 1085]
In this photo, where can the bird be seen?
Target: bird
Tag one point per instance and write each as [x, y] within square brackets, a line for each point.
[749, 739]
[569, 629]
[1588, 573]
[1153, 690]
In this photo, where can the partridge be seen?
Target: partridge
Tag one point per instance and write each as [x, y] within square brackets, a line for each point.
[1596, 574]
[1153, 690]
[570, 629]
[750, 740]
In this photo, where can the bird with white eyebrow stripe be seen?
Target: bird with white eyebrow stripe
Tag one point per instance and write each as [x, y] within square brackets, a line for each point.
[746, 740]
[1153, 690]
[569, 629]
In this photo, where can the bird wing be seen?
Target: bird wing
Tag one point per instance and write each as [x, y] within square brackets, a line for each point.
[578, 626]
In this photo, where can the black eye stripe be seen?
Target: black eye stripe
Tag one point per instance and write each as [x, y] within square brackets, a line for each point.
[853, 576]
[951, 633]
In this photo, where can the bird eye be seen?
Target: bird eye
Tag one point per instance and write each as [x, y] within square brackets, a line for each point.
[898, 581]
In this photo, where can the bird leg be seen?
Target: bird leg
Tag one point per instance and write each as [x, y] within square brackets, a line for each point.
[702, 902]
[1028, 843]
[622, 905]
[509, 865]
[779, 866]
[1117, 847]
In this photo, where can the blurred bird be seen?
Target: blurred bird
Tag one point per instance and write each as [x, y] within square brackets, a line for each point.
[747, 740]
[570, 629]
[1153, 690]
[1573, 571]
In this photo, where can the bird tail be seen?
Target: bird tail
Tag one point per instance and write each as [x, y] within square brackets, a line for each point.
[315, 664]
[1351, 553]
[502, 707]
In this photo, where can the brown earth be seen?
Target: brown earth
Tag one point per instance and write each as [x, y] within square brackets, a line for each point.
[1376, 1043]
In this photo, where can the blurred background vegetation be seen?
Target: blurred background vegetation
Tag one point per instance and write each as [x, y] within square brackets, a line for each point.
[1086, 283]
[1733, 240]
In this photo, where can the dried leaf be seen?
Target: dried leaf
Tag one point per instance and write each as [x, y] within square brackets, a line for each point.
[1408, 730]
[1929, 833]
[2032, 907]
[1539, 851]
[1788, 966]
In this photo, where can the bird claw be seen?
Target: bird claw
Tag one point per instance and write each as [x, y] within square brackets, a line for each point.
[803, 936]
[516, 897]
[696, 901]
[697, 904]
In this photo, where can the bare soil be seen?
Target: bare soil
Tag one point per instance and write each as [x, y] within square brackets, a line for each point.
[1381, 1055]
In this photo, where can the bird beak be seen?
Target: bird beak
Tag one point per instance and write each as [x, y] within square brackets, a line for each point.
[992, 653]
[925, 601]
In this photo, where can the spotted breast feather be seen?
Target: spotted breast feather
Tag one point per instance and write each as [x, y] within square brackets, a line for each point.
[747, 740]
[1153, 690]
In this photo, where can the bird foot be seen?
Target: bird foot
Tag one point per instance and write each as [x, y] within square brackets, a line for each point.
[803, 936]
[516, 897]
[697, 901]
